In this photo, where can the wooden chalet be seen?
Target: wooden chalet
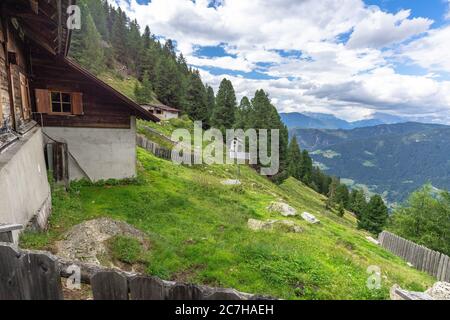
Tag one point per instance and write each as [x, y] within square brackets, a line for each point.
[54, 114]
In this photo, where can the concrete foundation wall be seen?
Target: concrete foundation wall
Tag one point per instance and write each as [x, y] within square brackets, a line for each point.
[98, 153]
[24, 189]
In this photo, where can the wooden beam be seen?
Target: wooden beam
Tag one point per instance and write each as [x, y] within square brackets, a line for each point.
[39, 39]
[5, 28]
[59, 8]
[34, 4]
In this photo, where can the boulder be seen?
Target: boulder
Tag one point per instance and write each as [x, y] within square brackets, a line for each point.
[374, 241]
[231, 182]
[310, 218]
[440, 291]
[397, 293]
[287, 225]
[283, 208]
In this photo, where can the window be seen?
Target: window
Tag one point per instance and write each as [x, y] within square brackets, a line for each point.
[61, 102]
[158, 111]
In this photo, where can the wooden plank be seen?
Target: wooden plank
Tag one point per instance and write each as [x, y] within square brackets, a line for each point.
[185, 292]
[146, 288]
[6, 236]
[109, 285]
[10, 275]
[10, 227]
[41, 274]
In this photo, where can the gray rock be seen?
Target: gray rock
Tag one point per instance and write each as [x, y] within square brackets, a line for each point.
[287, 225]
[397, 293]
[87, 241]
[310, 218]
[440, 291]
[283, 208]
[231, 182]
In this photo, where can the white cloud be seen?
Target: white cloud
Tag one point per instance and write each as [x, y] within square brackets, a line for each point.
[447, 14]
[352, 80]
[431, 51]
[380, 29]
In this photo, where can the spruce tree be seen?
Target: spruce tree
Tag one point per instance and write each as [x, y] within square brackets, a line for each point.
[294, 158]
[375, 215]
[342, 195]
[119, 36]
[210, 102]
[224, 112]
[99, 12]
[143, 92]
[87, 46]
[357, 202]
[306, 167]
[168, 82]
[242, 114]
[195, 99]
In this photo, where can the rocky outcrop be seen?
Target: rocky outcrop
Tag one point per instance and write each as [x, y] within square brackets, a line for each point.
[283, 208]
[288, 226]
[87, 241]
[439, 291]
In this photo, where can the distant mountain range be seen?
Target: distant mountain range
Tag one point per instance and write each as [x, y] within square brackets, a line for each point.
[389, 159]
[313, 120]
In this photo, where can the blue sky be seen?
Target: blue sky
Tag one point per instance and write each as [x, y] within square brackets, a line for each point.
[352, 58]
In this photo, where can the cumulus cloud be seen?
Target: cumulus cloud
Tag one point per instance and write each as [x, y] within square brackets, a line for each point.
[431, 51]
[380, 29]
[341, 63]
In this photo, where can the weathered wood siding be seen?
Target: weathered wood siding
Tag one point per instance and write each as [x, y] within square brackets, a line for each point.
[100, 109]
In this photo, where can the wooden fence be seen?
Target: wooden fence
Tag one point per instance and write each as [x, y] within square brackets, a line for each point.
[36, 275]
[434, 263]
[165, 153]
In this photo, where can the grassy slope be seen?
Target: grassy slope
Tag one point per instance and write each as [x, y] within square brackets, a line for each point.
[198, 233]
[124, 85]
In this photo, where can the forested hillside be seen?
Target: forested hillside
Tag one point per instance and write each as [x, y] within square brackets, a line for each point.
[109, 40]
[391, 159]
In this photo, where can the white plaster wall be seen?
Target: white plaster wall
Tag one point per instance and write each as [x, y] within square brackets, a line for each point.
[169, 115]
[24, 188]
[100, 153]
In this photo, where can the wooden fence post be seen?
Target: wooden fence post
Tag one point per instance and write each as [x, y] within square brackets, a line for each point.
[109, 285]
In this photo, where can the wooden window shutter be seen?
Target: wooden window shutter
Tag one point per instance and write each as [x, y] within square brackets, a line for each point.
[77, 103]
[42, 101]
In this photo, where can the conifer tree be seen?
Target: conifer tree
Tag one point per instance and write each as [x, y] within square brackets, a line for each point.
[306, 167]
[196, 104]
[210, 102]
[375, 215]
[86, 46]
[243, 112]
[168, 83]
[224, 112]
[294, 158]
[342, 195]
[357, 202]
[143, 92]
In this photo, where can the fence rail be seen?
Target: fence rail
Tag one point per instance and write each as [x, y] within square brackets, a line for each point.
[165, 153]
[434, 263]
[36, 275]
